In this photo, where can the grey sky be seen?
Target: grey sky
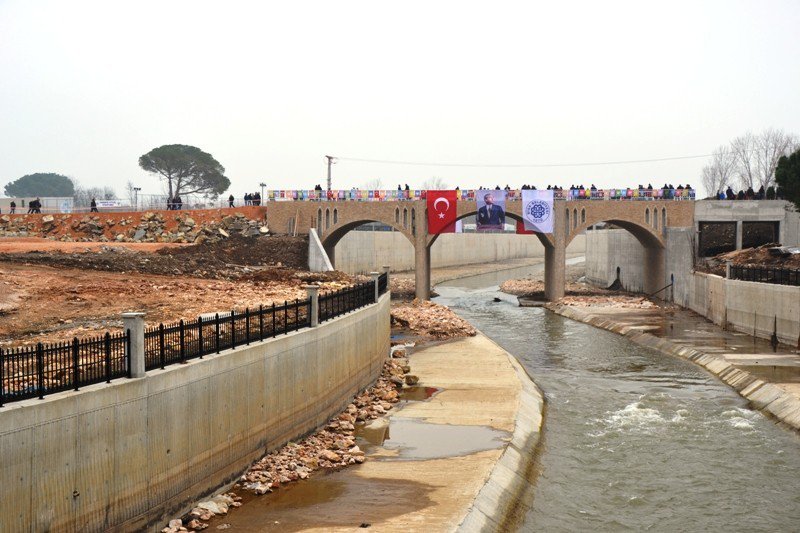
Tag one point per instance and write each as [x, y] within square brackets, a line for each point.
[269, 88]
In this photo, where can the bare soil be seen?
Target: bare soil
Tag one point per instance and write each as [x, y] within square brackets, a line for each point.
[759, 256]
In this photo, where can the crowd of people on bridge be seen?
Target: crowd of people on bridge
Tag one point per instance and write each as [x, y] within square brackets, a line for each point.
[769, 194]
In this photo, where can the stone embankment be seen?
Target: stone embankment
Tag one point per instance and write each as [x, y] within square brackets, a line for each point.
[151, 226]
[762, 394]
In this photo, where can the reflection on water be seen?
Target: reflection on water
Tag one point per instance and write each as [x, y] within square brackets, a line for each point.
[637, 440]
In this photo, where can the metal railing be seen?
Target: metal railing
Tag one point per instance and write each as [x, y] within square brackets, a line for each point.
[335, 303]
[35, 371]
[184, 340]
[363, 195]
[778, 276]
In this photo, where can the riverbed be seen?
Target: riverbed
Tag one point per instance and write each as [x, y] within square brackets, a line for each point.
[634, 439]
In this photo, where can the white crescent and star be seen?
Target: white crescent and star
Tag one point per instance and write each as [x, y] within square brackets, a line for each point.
[441, 199]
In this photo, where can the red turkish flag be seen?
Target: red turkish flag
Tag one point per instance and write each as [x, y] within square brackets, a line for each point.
[521, 229]
[442, 212]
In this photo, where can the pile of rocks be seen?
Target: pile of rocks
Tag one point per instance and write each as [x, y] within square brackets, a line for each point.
[16, 227]
[150, 227]
[332, 447]
[431, 320]
[617, 301]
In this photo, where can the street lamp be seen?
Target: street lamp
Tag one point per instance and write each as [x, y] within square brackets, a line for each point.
[136, 198]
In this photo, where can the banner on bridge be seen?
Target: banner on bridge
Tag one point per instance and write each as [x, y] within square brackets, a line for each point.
[442, 212]
[537, 210]
[491, 210]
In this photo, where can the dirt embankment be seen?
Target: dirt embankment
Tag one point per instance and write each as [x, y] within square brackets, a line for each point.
[231, 258]
[42, 304]
[429, 320]
[762, 256]
[149, 226]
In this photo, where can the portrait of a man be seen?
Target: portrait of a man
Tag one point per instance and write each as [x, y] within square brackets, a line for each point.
[491, 212]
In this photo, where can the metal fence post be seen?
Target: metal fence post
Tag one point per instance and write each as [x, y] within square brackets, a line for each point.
[233, 329]
[76, 371]
[2, 376]
[273, 319]
[216, 329]
[261, 322]
[313, 295]
[108, 356]
[134, 322]
[40, 369]
[161, 347]
[181, 340]
[375, 276]
[247, 325]
[200, 346]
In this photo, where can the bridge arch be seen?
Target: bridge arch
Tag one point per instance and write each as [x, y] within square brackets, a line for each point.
[546, 240]
[332, 235]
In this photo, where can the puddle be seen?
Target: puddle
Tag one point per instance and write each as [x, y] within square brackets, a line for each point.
[334, 500]
[419, 393]
[413, 439]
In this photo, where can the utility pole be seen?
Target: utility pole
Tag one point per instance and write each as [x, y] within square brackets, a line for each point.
[330, 159]
[262, 190]
[136, 198]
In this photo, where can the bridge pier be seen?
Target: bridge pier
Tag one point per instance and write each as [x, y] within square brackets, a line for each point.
[555, 258]
[654, 277]
[422, 268]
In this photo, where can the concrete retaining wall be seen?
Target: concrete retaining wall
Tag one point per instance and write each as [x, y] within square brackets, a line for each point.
[608, 249]
[359, 251]
[130, 454]
[758, 309]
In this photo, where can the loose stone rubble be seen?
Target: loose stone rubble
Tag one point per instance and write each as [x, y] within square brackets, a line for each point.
[615, 301]
[151, 226]
[332, 447]
[431, 320]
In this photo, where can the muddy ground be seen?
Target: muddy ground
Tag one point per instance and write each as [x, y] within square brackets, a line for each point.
[231, 258]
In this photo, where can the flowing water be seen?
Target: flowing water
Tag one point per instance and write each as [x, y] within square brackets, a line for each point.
[636, 440]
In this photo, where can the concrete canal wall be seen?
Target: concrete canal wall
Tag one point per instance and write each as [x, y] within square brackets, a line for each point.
[758, 309]
[130, 454]
[359, 251]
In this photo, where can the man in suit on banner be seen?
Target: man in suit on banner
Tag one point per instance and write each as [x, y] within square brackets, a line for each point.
[490, 214]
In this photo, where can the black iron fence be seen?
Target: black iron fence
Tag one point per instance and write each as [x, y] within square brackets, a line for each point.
[383, 283]
[178, 342]
[34, 371]
[335, 303]
[778, 276]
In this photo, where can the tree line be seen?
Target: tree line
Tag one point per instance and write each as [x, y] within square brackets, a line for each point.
[185, 169]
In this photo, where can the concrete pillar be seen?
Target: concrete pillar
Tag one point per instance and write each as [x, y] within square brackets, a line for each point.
[653, 272]
[728, 269]
[375, 276]
[134, 322]
[313, 295]
[422, 256]
[386, 269]
[554, 272]
[739, 234]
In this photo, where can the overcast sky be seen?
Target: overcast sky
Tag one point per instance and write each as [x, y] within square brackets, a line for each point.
[269, 88]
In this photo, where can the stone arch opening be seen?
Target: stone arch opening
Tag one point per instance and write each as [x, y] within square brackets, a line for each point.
[397, 215]
[583, 215]
[653, 267]
[647, 216]
[567, 220]
[319, 220]
[663, 218]
[405, 218]
[574, 218]
[327, 219]
[330, 240]
[544, 239]
[335, 216]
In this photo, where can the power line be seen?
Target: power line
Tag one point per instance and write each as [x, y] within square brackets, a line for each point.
[532, 165]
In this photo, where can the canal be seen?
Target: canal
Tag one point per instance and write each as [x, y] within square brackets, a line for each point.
[633, 439]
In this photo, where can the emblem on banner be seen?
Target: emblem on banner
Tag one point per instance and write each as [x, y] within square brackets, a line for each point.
[537, 211]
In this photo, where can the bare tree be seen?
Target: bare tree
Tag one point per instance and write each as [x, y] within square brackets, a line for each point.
[434, 183]
[770, 147]
[84, 195]
[718, 174]
[743, 148]
[757, 156]
[131, 193]
[374, 184]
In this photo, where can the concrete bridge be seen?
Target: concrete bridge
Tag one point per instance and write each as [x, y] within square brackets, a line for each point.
[647, 220]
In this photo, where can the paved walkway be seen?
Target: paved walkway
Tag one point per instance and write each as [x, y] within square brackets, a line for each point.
[438, 456]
